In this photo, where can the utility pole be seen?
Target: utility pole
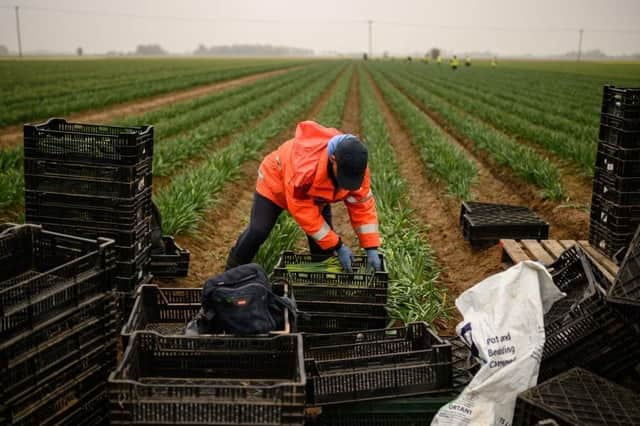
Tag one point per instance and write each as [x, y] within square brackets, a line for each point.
[370, 41]
[18, 30]
[580, 45]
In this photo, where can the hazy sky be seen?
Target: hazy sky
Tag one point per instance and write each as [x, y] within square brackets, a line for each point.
[400, 26]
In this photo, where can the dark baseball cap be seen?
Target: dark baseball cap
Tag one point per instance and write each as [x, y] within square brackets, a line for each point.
[351, 156]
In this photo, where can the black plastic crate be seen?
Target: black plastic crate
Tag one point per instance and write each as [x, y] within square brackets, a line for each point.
[340, 294]
[167, 311]
[607, 240]
[174, 262]
[130, 283]
[65, 395]
[618, 162]
[335, 301]
[620, 123]
[582, 330]
[618, 153]
[128, 253]
[569, 268]
[374, 364]
[96, 356]
[124, 303]
[568, 274]
[125, 238]
[87, 186]
[121, 214]
[135, 267]
[212, 380]
[59, 140]
[334, 322]
[43, 274]
[578, 397]
[318, 286]
[461, 355]
[607, 211]
[484, 208]
[163, 310]
[97, 172]
[625, 292]
[92, 409]
[342, 307]
[620, 190]
[486, 227]
[615, 224]
[463, 365]
[359, 278]
[24, 343]
[621, 102]
[619, 132]
[86, 201]
[126, 299]
[22, 374]
[414, 411]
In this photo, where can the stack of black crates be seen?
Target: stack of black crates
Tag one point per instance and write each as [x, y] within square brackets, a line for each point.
[336, 302]
[94, 181]
[205, 379]
[58, 330]
[350, 355]
[583, 329]
[615, 206]
[209, 380]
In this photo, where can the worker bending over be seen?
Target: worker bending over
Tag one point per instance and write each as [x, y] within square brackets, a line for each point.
[304, 175]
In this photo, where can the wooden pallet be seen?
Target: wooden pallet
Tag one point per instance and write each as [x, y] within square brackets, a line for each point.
[546, 251]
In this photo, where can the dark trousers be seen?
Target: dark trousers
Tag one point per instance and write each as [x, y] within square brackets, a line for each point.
[264, 214]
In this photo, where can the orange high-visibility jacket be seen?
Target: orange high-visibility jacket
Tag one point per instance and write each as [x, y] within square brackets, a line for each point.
[295, 177]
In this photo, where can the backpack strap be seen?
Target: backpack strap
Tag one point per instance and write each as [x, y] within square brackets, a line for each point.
[289, 303]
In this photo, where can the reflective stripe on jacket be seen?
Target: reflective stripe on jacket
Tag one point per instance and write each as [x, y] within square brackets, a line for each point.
[295, 177]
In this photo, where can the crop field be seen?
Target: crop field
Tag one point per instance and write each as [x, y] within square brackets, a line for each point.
[520, 133]
[33, 90]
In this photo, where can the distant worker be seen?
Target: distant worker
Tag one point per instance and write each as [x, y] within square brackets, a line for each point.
[304, 175]
[467, 61]
[454, 63]
[494, 62]
[439, 60]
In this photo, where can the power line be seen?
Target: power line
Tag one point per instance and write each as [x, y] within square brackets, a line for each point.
[186, 18]
[504, 29]
[86, 12]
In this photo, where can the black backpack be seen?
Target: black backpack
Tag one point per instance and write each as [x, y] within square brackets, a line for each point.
[240, 301]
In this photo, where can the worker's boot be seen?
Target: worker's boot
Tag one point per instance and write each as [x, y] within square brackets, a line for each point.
[232, 261]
